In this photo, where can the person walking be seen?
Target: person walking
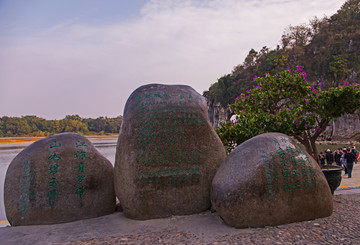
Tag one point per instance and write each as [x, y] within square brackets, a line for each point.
[350, 159]
[355, 153]
[322, 158]
[343, 161]
[337, 157]
[329, 157]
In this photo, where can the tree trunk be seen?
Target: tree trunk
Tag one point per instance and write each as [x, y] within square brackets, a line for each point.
[307, 146]
[310, 145]
[315, 151]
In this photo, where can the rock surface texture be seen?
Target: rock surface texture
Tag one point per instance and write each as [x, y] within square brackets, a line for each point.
[167, 153]
[344, 129]
[58, 179]
[269, 180]
[217, 113]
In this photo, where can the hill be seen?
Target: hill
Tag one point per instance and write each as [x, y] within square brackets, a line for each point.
[327, 48]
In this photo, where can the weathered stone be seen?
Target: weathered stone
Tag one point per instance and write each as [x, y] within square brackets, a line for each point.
[58, 179]
[344, 129]
[217, 113]
[167, 153]
[270, 180]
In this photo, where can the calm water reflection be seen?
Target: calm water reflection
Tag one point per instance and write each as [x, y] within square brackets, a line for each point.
[9, 151]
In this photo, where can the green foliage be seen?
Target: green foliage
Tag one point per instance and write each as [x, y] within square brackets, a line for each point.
[288, 104]
[15, 126]
[224, 91]
[339, 66]
[328, 48]
[74, 124]
[35, 126]
[104, 124]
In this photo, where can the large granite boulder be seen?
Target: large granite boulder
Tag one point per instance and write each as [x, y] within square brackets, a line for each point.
[167, 153]
[58, 179]
[269, 180]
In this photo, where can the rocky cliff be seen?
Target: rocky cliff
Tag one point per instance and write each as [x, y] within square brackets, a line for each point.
[217, 113]
[345, 128]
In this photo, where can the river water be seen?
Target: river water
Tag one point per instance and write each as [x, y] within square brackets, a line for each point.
[8, 152]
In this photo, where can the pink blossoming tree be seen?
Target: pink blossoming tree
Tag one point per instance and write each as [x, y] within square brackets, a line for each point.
[288, 104]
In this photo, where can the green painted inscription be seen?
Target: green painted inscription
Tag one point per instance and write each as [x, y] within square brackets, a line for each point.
[294, 175]
[80, 169]
[163, 156]
[27, 187]
[53, 168]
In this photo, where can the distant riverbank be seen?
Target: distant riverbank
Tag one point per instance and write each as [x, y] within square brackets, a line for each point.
[321, 145]
[16, 140]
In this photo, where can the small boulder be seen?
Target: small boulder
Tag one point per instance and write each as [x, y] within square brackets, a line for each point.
[58, 179]
[167, 153]
[269, 180]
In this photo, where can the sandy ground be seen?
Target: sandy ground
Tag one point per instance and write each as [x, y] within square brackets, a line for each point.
[203, 228]
[354, 181]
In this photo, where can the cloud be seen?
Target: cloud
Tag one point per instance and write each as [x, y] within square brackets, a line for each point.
[92, 69]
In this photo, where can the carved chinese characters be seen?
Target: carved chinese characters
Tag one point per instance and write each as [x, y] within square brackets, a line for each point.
[270, 180]
[295, 173]
[167, 153]
[27, 187]
[63, 178]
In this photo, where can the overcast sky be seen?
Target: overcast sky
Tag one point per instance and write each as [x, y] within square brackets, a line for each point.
[64, 57]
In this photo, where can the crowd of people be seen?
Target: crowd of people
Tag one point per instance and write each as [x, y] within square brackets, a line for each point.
[345, 157]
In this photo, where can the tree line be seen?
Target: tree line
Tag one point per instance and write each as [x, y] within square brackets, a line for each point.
[328, 49]
[36, 126]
